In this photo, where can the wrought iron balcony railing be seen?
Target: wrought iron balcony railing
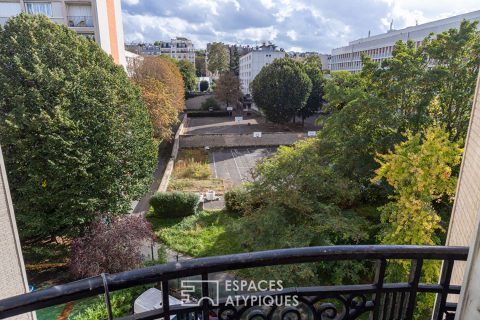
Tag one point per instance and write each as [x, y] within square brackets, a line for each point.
[376, 300]
[80, 21]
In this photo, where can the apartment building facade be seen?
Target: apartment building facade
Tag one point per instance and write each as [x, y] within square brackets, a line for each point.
[100, 20]
[380, 47]
[252, 62]
[13, 279]
[179, 49]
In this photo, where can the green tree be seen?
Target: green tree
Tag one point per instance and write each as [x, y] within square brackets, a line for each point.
[76, 135]
[218, 58]
[420, 171]
[187, 69]
[281, 89]
[454, 57]
[234, 60]
[200, 64]
[228, 88]
[313, 68]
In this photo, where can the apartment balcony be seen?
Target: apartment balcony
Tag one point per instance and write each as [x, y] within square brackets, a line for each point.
[80, 21]
[375, 299]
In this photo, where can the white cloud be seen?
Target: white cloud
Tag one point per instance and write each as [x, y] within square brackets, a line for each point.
[309, 25]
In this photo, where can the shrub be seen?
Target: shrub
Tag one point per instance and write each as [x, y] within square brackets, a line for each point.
[210, 103]
[174, 204]
[234, 200]
[121, 301]
[110, 246]
[204, 85]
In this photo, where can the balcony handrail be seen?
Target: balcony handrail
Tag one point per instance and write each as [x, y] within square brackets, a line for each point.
[203, 266]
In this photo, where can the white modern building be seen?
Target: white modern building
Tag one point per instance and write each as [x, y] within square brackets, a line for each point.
[380, 47]
[252, 62]
[100, 20]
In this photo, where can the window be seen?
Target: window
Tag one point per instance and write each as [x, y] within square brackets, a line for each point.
[39, 8]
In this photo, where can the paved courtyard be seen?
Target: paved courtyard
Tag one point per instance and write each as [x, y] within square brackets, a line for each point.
[234, 165]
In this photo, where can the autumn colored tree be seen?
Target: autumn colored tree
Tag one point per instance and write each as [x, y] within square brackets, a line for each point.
[110, 246]
[165, 70]
[162, 89]
[228, 88]
[163, 113]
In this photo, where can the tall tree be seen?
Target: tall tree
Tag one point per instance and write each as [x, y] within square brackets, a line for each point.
[159, 102]
[200, 63]
[187, 70]
[313, 68]
[420, 171]
[76, 135]
[165, 70]
[454, 57]
[228, 88]
[217, 58]
[234, 60]
[281, 89]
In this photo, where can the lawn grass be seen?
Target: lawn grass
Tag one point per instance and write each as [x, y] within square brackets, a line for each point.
[205, 234]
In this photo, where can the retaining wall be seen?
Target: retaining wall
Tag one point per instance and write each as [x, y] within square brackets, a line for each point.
[239, 140]
[176, 145]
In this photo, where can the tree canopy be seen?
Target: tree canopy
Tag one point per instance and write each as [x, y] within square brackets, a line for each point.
[76, 135]
[281, 89]
[228, 88]
[218, 58]
[188, 72]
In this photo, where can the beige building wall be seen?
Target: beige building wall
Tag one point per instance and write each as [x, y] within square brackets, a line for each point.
[13, 279]
[467, 201]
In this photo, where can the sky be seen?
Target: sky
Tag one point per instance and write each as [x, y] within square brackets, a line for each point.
[295, 25]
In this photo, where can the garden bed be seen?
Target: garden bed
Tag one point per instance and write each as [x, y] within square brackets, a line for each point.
[192, 173]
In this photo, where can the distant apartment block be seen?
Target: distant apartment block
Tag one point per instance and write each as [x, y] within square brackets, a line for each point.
[100, 20]
[179, 49]
[252, 62]
[380, 47]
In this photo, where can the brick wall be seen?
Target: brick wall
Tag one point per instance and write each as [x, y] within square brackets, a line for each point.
[13, 280]
[467, 200]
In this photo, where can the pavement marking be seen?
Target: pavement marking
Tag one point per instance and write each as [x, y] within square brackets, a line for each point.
[236, 165]
[214, 165]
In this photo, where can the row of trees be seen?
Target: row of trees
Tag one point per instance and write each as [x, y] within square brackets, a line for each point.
[383, 168]
[287, 88]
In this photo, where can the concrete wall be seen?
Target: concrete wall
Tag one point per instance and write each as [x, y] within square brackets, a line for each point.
[467, 200]
[13, 280]
[239, 140]
[176, 146]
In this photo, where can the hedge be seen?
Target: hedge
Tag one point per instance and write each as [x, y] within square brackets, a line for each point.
[174, 204]
[193, 114]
